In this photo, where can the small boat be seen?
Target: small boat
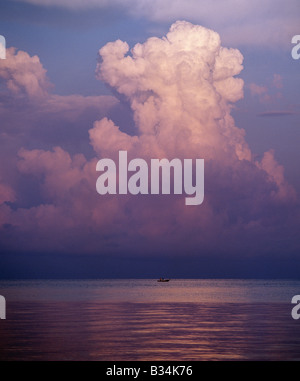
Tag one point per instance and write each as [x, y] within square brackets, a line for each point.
[163, 280]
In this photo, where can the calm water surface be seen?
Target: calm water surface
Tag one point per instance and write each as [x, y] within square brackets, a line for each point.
[146, 320]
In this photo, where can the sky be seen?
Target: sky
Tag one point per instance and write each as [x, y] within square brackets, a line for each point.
[187, 79]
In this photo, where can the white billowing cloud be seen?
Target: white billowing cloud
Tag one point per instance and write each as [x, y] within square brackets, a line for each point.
[180, 88]
[106, 138]
[243, 22]
[24, 75]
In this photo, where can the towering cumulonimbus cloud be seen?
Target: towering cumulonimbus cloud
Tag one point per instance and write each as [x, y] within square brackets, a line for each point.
[181, 89]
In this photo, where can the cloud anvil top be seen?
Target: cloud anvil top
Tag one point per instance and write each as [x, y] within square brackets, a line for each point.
[138, 182]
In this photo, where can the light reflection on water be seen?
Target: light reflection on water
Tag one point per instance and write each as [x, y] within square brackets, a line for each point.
[208, 322]
[148, 290]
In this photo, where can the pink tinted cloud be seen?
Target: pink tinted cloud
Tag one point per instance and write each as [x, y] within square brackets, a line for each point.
[6, 193]
[32, 115]
[181, 89]
[257, 90]
[106, 138]
[24, 75]
[261, 92]
[268, 94]
[275, 173]
[278, 81]
[178, 87]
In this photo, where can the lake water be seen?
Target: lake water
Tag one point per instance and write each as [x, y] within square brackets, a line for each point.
[142, 319]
